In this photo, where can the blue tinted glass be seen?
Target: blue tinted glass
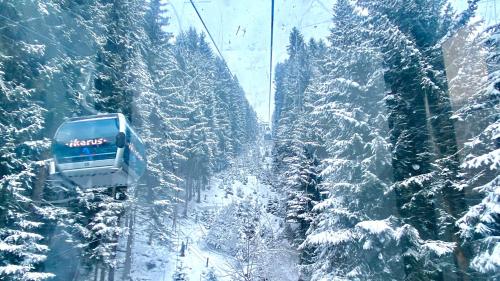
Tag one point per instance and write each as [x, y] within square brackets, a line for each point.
[134, 153]
[86, 140]
[88, 129]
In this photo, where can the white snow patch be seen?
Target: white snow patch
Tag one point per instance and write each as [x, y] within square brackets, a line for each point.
[440, 248]
[491, 158]
[38, 276]
[12, 269]
[33, 49]
[488, 261]
[329, 238]
[375, 226]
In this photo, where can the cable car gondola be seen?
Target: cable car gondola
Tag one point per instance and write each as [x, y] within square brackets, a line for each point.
[98, 151]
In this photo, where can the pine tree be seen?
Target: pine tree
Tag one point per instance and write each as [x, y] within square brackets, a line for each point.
[425, 160]
[23, 64]
[210, 275]
[21, 247]
[64, 58]
[116, 57]
[477, 115]
[223, 87]
[290, 91]
[352, 234]
[157, 110]
[294, 156]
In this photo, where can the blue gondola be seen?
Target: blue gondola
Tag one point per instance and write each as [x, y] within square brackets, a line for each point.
[98, 151]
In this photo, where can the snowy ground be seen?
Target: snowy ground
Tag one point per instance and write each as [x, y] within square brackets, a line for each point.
[160, 262]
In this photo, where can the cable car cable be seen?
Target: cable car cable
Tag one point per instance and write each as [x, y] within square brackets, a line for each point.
[271, 62]
[211, 38]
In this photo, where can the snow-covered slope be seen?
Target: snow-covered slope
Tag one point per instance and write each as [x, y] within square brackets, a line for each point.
[211, 241]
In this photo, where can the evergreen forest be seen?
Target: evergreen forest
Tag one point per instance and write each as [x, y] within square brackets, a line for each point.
[380, 162]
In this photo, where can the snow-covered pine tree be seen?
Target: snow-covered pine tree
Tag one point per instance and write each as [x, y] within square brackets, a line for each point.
[247, 255]
[294, 155]
[476, 83]
[196, 84]
[158, 118]
[425, 159]
[101, 219]
[117, 77]
[116, 57]
[209, 275]
[25, 61]
[279, 95]
[353, 234]
[201, 73]
[226, 139]
[21, 247]
[292, 79]
[244, 120]
[302, 176]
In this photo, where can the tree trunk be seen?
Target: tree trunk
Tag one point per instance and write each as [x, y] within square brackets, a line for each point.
[443, 131]
[190, 189]
[198, 192]
[176, 212]
[111, 274]
[96, 273]
[186, 197]
[150, 182]
[103, 274]
[39, 184]
[128, 253]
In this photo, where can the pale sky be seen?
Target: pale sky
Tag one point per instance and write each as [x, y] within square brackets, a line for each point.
[241, 29]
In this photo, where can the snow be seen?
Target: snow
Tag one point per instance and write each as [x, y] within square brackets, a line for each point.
[161, 261]
[488, 261]
[42, 8]
[332, 165]
[479, 218]
[416, 180]
[348, 82]
[491, 159]
[329, 238]
[34, 49]
[375, 226]
[4, 247]
[11, 269]
[440, 248]
[37, 276]
[22, 235]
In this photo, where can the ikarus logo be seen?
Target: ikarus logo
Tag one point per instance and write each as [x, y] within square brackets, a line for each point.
[80, 143]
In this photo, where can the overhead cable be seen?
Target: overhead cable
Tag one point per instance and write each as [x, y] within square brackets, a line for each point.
[271, 61]
[210, 35]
